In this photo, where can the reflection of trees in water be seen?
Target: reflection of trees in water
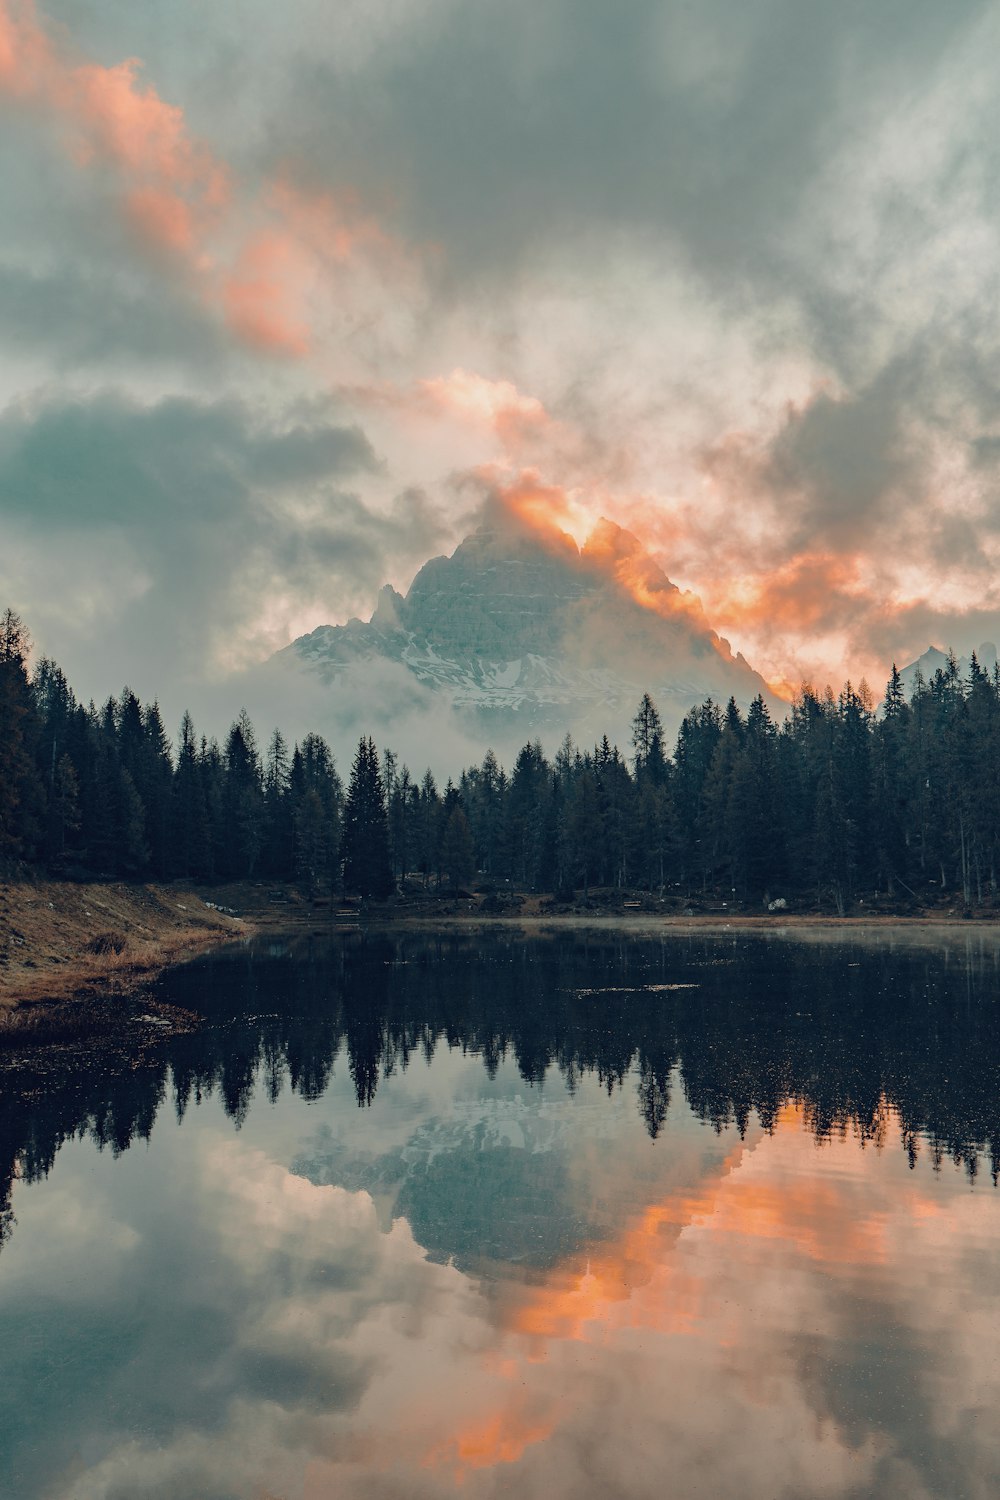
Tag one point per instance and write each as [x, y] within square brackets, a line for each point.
[846, 1034]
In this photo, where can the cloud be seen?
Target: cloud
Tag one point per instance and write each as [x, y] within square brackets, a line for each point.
[257, 256]
[717, 273]
[73, 317]
[171, 185]
[501, 127]
[211, 531]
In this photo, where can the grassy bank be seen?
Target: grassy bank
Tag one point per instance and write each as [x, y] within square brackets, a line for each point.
[61, 942]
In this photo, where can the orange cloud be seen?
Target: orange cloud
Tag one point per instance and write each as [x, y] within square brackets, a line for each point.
[25, 54]
[170, 182]
[267, 294]
[263, 297]
[798, 596]
[624, 557]
[253, 264]
[131, 125]
[556, 516]
[162, 219]
[496, 404]
[545, 510]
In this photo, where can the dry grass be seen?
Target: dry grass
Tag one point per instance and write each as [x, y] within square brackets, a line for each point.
[58, 940]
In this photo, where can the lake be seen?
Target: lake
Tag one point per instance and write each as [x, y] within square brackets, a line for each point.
[579, 1214]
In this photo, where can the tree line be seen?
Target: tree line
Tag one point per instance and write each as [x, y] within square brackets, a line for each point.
[842, 800]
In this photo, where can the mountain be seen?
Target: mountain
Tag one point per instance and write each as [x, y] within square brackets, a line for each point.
[934, 660]
[519, 633]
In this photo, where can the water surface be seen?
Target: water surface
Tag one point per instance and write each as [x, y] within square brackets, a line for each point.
[563, 1217]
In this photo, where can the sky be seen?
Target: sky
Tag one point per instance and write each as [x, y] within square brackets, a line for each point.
[287, 293]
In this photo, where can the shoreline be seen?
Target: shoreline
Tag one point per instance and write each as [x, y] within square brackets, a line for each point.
[70, 952]
[74, 957]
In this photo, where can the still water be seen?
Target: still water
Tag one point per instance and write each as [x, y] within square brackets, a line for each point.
[567, 1217]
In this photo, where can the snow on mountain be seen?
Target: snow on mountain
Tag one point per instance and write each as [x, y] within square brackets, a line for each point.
[517, 634]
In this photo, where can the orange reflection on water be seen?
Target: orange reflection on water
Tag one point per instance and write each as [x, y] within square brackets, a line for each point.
[483, 1444]
[774, 1199]
[728, 1330]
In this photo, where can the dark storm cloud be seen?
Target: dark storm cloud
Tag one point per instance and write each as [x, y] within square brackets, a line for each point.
[504, 124]
[203, 526]
[848, 468]
[846, 459]
[109, 460]
[75, 318]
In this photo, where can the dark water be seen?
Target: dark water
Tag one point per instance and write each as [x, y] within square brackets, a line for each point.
[573, 1217]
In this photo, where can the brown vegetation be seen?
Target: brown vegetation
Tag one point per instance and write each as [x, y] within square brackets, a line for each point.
[60, 941]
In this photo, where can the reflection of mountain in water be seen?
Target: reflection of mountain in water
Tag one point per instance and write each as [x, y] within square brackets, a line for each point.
[843, 1031]
[463, 1184]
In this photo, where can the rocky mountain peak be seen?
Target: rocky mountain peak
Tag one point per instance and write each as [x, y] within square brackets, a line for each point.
[527, 633]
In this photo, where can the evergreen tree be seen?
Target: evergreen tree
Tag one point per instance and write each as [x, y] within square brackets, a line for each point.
[647, 740]
[242, 800]
[154, 783]
[891, 790]
[316, 795]
[697, 739]
[585, 827]
[428, 825]
[755, 825]
[458, 859]
[526, 816]
[365, 840]
[277, 855]
[718, 819]
[189, 840]
[21, 792]
[401, 823]
[64, 808]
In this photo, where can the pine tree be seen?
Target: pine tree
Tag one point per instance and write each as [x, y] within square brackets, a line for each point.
[526, 811]
[891, 785]
[21, 791]
[154, 783]
[428, 830]
[188, 838]
[401, 823]
[458, 860]
[56, 711]
[585, 827]
[243, 800]
[755, 826]
[316, 795]
[64, 806]
[647, 739]
[719, 853]
[365, 840]
[697, 739]
[276, 856]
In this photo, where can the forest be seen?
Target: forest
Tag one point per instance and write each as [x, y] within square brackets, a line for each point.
[846, 800]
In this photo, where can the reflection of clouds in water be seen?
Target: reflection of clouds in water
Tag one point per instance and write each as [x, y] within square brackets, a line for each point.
[795, 1321]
